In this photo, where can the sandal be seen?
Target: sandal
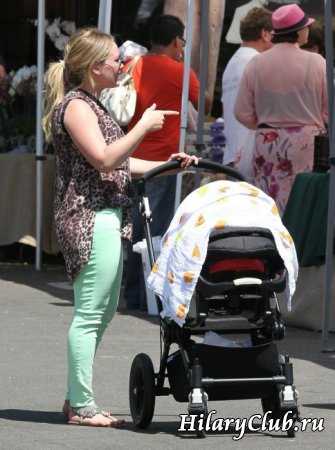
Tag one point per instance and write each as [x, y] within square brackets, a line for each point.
[91, 417]
[98, 420]
[66, 408]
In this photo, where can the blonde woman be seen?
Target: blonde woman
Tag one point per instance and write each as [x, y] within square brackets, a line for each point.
[92, 200]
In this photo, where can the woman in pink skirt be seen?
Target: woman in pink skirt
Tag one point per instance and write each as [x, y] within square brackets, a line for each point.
[283, 95]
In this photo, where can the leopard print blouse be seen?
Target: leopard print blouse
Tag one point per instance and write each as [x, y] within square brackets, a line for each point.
[81, 190]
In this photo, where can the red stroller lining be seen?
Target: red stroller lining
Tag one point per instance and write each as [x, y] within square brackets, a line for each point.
[233, 265]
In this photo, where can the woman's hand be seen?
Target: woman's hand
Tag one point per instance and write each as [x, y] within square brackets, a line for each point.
[186, 160]
[153, 119]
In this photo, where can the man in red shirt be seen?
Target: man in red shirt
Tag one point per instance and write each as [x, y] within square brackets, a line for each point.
[158, 78]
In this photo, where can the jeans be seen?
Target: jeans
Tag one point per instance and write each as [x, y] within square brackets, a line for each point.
[96, 295]
[161, 193]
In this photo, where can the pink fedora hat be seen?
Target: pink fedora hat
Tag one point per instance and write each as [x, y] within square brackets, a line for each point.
[289, 18]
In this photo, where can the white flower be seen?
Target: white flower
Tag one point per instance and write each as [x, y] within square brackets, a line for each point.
[68, 26]
[26, 73]
[130, 49]
[53, 30]
[61, 41]
[17, 78]
[22, 74]
[23, 81]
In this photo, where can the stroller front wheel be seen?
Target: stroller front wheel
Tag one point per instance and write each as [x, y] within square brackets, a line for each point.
[279, 410]
[142, 390]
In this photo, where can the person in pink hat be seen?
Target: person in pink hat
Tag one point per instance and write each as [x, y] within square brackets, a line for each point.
[283, 95]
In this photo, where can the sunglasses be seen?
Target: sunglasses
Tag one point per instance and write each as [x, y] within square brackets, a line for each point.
[117, 63]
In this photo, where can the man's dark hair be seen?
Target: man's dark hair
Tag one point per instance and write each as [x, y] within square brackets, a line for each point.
[254, 22]
[292, 38]
[166, 28]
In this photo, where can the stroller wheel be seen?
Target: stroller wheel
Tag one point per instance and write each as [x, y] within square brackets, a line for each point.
[291, 432]
[142, 390]
[279, 411]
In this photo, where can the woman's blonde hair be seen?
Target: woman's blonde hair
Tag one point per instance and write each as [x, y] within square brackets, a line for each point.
[84, 49]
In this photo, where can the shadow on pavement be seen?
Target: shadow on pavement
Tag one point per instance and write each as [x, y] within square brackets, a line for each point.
[23, 415]
[320, 405]
[156, 427]
[51, 279]
[49, 417]
[306, 345]
[171, 428]
[142, 315]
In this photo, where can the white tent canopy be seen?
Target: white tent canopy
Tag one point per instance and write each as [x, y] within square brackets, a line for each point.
[39, 133]
[105, 15]
[204, 7]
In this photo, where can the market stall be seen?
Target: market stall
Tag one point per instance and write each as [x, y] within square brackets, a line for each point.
[18, 218]
[306, 219]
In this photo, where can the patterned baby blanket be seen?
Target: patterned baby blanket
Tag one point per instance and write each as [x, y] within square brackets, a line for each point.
[184, 246]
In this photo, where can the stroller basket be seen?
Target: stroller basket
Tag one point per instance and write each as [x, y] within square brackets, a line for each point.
[261, 361]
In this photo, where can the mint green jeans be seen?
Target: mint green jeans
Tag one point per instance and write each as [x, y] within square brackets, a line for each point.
[96, 296]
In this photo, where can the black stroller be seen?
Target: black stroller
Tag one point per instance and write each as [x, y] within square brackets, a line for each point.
[235, 293]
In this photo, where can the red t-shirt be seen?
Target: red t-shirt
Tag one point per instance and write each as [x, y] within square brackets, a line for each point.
[159, 79]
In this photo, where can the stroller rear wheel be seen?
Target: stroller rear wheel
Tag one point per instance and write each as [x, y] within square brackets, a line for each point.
[142, 390]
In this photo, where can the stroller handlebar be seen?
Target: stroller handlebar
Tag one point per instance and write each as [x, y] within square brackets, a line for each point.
[202, 164]
[275, 284]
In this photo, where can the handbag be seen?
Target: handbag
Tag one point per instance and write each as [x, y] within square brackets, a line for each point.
[321, 153]
[120, 101]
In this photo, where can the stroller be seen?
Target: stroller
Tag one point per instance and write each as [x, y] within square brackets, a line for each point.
[235, 294]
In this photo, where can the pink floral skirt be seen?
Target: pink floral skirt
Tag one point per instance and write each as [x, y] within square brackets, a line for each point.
[281, 153]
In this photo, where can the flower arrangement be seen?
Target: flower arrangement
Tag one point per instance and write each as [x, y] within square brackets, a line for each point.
[214, 141]
[18, 91]
[23, 81]
[17, 109]
[218, 140]
[59, 31]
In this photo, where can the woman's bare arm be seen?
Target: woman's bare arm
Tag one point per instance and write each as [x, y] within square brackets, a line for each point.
[82, 124]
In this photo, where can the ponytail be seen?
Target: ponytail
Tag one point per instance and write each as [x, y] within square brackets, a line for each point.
[54, 94]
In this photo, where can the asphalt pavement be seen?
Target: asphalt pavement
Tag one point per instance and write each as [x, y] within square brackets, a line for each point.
[36, 310]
